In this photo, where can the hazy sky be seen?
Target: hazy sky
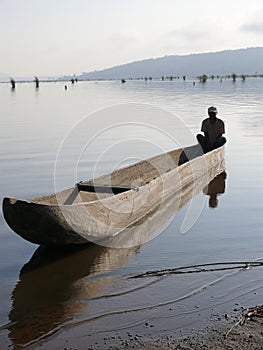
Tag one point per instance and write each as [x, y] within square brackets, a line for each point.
[52, 37]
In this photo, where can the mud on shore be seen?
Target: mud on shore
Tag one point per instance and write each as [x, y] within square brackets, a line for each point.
[225, 332]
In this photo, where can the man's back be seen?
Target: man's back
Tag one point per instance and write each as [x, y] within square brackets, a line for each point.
[213, 129]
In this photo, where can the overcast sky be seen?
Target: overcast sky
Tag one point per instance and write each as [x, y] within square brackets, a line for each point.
[53, 37]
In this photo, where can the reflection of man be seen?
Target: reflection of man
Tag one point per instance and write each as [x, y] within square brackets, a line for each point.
[213, 129]
[215, 187]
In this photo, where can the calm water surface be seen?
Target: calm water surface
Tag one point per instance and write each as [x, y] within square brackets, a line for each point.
[46, 292]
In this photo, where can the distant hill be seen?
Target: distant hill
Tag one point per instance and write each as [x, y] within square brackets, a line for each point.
[242, 61]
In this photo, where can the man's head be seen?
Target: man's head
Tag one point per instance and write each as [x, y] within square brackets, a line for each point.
[212, 111]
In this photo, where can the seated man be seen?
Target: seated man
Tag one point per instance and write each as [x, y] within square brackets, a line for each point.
[213, 129]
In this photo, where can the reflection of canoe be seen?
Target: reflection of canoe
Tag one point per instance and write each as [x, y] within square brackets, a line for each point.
[54, 287]
[105, 206]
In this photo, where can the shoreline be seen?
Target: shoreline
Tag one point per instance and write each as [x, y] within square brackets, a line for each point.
[222, 332]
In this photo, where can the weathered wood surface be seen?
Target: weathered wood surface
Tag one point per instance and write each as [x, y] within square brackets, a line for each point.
[75, 217]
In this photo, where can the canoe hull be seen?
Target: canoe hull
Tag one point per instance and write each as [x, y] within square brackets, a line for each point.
[98, 220]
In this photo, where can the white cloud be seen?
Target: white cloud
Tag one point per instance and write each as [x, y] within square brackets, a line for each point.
[188, 34]
[254, 26]
[253, 22]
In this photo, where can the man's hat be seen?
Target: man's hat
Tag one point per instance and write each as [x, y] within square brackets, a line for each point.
[212, 109]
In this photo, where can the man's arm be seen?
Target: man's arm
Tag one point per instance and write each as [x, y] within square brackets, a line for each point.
[204, 129]
[221, 130]
[222, 127]
[203, 126]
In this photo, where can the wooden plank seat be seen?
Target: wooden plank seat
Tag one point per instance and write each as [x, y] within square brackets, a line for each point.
[103, 188]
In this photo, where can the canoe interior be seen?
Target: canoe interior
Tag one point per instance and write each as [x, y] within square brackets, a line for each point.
[131, 176]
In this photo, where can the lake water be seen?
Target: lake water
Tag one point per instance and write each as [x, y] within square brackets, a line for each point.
[53, 294]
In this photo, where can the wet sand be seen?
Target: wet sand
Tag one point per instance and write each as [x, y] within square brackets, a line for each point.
[224, 331]
[217, 337]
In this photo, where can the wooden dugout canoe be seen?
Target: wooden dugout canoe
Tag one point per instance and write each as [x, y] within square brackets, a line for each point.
[102, 208]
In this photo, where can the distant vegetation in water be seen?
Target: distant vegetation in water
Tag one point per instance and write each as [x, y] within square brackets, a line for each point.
[203, 78]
